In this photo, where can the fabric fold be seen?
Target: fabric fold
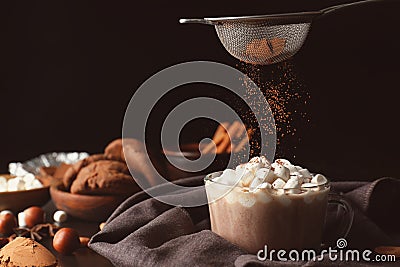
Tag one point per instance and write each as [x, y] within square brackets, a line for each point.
[146, 232]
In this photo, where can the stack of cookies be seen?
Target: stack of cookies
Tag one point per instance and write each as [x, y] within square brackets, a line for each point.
[101, 174]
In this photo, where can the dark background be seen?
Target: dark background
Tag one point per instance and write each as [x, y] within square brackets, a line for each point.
[69, 68]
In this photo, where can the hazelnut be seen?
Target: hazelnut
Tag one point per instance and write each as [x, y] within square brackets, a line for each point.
[66, 241]
[84, 241]
[5, 212]
[7, 223]
[33, 215]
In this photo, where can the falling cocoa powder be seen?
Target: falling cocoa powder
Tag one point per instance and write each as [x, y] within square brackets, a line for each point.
[285, 95]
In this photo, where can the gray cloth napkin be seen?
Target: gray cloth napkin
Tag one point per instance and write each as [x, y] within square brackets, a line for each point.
[146, 232]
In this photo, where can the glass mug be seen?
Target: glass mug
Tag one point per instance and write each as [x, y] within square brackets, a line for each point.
[276, 218]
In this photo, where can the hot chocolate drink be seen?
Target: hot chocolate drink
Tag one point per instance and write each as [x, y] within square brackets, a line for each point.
[279, 205]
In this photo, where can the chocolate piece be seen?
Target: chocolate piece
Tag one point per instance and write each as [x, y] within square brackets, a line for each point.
[73, 170]
[104, 177]
[26, 252]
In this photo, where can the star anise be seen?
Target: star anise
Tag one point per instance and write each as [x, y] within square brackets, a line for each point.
[37, 232]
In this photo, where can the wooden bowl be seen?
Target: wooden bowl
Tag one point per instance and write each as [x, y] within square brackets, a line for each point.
[86, 207]
[17, 201]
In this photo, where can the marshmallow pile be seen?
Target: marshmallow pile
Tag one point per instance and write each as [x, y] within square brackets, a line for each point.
[19, 183]
[259, 173]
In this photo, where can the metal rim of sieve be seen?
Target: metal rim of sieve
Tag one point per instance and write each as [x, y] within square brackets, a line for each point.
[266, 29]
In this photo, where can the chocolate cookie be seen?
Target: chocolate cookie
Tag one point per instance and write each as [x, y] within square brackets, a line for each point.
[73, 170]
[104, 177]
[114, 151]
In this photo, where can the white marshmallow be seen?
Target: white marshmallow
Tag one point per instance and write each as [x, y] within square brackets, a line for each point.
[245, 176]
[228, 177]
[308, 185]
[240, 168]
[293, 183]
[229, 172]
[254, 164]
[262, 173]
[292, 169]
[16, 184]
[281, 176]
[281, 171]
[296, 173]
[267, 174]
[60, 216]
[299, 177]
[265, 161]
[33, 185]
[305, 173]
[264, 185]
[270, 177]
[283, 162]
[25, 182]
[258, 160]
[17, 169]
[287, 164]
[28, 178]
[319, 179]
[278, 183]
[3, 184]
[256, 182]
[21, 219]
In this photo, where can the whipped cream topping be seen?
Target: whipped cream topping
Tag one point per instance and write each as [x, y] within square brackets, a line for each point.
[19, 183]
[259, 173]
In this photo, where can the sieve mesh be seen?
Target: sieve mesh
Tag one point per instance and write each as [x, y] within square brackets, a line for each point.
[259, 42]
[267, 39]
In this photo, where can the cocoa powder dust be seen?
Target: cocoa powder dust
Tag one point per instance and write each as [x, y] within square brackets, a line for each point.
[287, 99]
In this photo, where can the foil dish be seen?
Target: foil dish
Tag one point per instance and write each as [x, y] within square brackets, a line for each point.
[45, 160]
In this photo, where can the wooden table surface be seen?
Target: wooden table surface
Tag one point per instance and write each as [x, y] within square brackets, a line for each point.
[81, 257]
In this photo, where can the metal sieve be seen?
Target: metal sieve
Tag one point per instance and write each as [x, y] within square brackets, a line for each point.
[266, 39]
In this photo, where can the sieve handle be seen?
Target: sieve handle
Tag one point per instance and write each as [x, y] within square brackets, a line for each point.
[334, 8]
[200, 21]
